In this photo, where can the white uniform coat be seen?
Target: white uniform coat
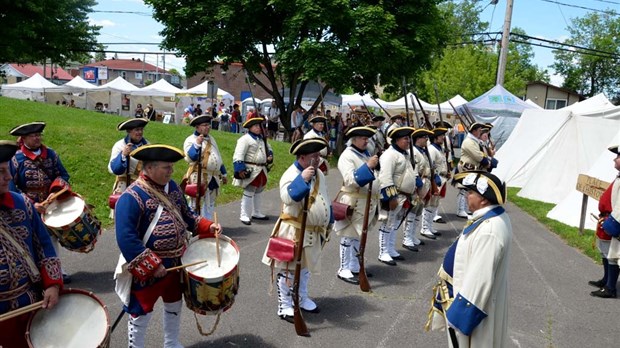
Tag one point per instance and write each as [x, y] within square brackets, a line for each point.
[250, 149]
[352, 194]
[471, 154]
[211, 166]
[396, 171]
[120, 184]
[316, 223]
[423, 168]
[480, 277]
[440, 166]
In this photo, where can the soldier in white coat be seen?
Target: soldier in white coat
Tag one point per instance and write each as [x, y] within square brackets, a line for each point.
[118, 164]
[250, 161]
[357, 167]
[471, 298]
[397, 122]
[399, 184]
[440, 168]
[447, 145]
[377, 143]
[472, 158]
[202, 145]
[318, 131]
[301, 180]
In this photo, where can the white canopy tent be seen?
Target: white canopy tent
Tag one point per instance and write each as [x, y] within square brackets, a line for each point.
[359, 100]
[32, 88]
[76, 89]
[161, 95]
[398, 106]
[116, 93]
[200, 94]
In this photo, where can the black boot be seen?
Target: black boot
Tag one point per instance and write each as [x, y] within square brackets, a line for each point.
[609, 291]
[601, 282]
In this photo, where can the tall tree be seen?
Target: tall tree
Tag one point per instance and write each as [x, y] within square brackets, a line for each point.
[36, 30]
[341, 43]
[590, 73]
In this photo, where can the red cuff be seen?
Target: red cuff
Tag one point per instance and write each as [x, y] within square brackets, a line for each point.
[204, 229]
[50, 273]
[57, 185]
[144, 265]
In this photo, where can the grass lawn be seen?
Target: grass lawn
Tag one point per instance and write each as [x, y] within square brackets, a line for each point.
[539, 211]
[84, 139]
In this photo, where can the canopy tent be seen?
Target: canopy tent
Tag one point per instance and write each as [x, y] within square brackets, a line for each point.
[200, 94]
[500, 108]
[398, 106]
[32, 88]
[359, 100]
[568, 210]
[76, 89]
[161, 95]
[312, 92]
[116, 93]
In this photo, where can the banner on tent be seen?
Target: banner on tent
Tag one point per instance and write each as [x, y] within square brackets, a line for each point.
[591, 186]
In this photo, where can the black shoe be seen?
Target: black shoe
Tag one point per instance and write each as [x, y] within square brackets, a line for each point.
[353, 280]
[390, 263]
[411, 247]
[421, 243]
[598, 283]
[436, 233]
[399, 257]
[316, 310]
[66, 279]
[604, 293]
[288, 318]
[261, 217]
[440, 221]
[246, 222]
[368, 274]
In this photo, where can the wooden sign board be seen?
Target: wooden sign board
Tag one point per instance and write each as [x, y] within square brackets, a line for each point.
[591, 186]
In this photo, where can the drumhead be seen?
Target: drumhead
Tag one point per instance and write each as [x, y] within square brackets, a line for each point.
[204, 249]
[59, 214]
[77, 321]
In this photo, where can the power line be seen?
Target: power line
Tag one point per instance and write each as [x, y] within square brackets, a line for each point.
[611, 13]
[609, 2]
[146, 14]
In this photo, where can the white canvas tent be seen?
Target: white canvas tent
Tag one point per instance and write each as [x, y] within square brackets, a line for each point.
[359, 100]
[116, 93]
[398, 106]
[200, 94]
[32, 88]
[161, 95]
[76, 89]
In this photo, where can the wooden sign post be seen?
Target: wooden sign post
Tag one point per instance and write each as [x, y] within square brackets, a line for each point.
[590, 187]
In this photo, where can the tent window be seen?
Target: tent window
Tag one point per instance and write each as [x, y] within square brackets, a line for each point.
[554, 104]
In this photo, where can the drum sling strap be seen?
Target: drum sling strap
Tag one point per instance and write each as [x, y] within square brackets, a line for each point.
[204, 160]
[23, 255]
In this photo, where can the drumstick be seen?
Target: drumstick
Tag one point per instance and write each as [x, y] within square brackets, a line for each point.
[53, 196]
[20, 311]
[183, 266]
[217, 242]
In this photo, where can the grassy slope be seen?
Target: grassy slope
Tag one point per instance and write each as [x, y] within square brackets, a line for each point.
[84, 139]
[539, 211]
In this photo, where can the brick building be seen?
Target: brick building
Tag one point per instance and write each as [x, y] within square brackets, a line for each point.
[134, 70]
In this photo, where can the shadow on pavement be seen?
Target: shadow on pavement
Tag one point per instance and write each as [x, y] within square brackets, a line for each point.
[234, 341]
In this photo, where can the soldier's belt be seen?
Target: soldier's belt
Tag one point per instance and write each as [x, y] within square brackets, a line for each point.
[256, 164]
[467, 166]
[358, 194]
[309, 228]
[15, 293]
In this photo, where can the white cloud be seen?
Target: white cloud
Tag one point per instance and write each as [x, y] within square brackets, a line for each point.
[102, 22]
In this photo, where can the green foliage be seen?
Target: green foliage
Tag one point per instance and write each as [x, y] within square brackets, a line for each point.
[539, 211]
[84, 140]
[341, 43]
[590, 74]
[36, 30]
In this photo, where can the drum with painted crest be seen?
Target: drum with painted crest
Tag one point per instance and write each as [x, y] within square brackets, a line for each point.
[207, 288]
[79, 320]
[73, 223]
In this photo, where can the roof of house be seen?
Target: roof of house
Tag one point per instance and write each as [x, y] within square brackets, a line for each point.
[28, 70]
[134, 64]
[556, 87]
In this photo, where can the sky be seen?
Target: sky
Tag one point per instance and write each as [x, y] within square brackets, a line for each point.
[540, 18]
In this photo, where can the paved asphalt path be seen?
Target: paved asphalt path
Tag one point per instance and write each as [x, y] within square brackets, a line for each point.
[550, 305]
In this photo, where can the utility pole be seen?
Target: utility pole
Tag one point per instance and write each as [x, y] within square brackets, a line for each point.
[503, 53]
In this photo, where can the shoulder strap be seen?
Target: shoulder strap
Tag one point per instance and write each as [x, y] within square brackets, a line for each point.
[163, 200]
[24, 255]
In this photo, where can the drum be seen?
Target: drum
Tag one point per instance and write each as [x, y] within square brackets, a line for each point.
[207, 288]
[73, 223]
[79, 320]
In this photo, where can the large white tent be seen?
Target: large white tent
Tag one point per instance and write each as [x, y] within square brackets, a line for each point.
[76, 89]
[161, 95]
[200, 94]
[32, 88]
[116, 93]
[398, 106]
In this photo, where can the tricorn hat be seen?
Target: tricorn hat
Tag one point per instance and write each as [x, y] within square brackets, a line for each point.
[157, 152]
[486, 184]
[442, 124]
[256, 120]
[317, 118]
[198, 120]
[420, 132]
[307, 146]
[614, 149]
[360, 132]
[28, 128]
[394, 117]
[132, 123]
[401, 132]
[439, 131]
[476, 125]
[376, 118]
[7, 150]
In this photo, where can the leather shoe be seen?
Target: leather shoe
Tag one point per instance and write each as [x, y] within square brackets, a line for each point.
[288, 318]
[66, 279]
[246, 222]
[260, 217]
[411, 247]
[390, 263]
[352, 280]
[604, 293]
[368, 274]
[399, 257]
[436, 233]
[597, 283]
[440, 221]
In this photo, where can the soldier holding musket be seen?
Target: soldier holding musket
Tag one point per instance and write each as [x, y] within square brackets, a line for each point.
[357, 167]
[318, 131]
[440, 166]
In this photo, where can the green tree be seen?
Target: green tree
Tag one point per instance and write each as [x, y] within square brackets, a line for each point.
[100, 53]
[36, 30]
[341, 43]
[590, 73]
[174, 71]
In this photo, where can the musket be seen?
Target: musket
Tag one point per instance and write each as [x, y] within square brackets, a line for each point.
[465, 125]
[445, 141]
[382, 108]
[363, 278]
[469, 115]
[429, 126]
[199, 180]
[300, 324]
[371, 115]
[410, 147]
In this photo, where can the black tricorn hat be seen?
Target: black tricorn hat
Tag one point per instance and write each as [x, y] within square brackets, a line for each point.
[477, 125]
[307, 146]
[401, 132]
[157, 153]
[256, 120]
[132, 123]
[439, 131]
[317, 118]
[486, 184]
[360, 132]
[442, 124]
[198, 120]
[420, 132]
[376, 118]
[614, 149]
[28, 128]
[7, 150]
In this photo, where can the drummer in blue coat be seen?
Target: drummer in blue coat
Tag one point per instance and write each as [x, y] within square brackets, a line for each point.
[152, 220]
[29, 267]
[37, 170]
